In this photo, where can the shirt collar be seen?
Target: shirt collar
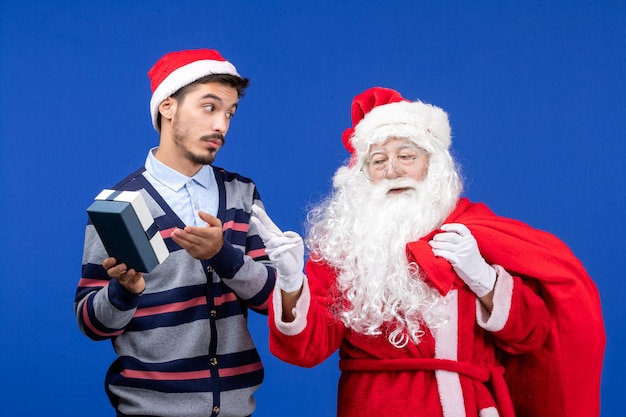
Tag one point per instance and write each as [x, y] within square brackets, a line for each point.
[174, 179]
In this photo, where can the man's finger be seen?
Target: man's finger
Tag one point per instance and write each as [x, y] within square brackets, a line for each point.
[191, 235]
[117, 270]
[109, 263]
[209, 219]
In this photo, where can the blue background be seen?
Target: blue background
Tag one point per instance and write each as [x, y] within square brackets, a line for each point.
[535, 92]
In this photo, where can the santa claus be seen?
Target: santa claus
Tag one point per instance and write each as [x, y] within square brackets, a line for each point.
[437, 306]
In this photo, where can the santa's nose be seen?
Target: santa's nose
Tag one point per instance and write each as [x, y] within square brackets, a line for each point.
[390, 170]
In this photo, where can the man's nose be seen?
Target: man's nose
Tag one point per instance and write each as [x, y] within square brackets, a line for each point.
[220, 123]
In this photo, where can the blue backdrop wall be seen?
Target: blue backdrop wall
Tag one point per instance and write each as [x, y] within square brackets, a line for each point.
[535, 94]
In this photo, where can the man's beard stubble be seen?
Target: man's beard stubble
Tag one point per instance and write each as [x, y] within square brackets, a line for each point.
[181, 138]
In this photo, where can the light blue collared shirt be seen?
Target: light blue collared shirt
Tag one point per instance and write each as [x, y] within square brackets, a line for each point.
[185, 195]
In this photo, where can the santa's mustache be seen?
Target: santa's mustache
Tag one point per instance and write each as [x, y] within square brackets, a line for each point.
[383, 187]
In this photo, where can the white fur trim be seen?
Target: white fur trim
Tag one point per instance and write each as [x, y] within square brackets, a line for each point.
[414, 120]
[446, 347]
[300, 311]
[488, 412]
[502, 297]
[183, 76]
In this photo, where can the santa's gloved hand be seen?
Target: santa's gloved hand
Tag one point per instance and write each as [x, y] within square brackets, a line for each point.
[457, 245]
[285, 250]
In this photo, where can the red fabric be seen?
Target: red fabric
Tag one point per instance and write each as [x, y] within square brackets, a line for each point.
[363, 104]
[174, 60]
[405, 392]
[493, 374]
[563, 378]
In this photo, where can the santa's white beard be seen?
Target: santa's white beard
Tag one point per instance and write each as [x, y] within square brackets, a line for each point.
[363, 231]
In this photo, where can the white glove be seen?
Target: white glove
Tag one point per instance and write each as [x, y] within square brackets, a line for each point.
[457, 245]
[285, 250]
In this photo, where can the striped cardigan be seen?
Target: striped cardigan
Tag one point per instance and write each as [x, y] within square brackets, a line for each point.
[183, 346]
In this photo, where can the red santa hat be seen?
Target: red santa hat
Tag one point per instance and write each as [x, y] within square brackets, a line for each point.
[380, 113]
[175, 70]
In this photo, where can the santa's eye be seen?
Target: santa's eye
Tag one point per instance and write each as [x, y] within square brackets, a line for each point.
[378, 161]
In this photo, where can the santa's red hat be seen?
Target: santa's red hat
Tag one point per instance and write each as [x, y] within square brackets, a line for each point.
[175, 70]
[380, 113]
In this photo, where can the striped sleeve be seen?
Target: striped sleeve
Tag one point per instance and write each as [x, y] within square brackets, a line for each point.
[242, 262]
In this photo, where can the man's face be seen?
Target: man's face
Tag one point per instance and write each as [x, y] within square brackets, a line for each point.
[396, 158]
[200, 121]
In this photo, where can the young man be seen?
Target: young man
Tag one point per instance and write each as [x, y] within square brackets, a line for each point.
[438, 307]
[180, 331]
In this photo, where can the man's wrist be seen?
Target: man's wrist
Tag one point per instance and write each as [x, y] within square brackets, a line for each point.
[227, 261]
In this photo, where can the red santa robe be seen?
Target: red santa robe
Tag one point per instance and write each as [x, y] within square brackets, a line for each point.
[457, 369]
[563, 377]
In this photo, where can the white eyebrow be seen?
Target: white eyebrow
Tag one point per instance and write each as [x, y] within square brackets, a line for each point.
[406, 146]
[397, 148]
[377, 151]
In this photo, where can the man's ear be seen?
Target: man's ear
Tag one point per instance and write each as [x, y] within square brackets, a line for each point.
[167, 108]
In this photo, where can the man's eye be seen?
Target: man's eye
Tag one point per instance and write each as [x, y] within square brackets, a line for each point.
[209, 107]
[406, 157]
[230, 114]
[378, 162]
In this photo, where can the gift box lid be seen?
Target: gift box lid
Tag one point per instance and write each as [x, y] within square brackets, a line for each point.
[127, 230]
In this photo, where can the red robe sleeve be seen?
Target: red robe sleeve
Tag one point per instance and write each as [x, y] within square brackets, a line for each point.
[323, 333]
[563, 378]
